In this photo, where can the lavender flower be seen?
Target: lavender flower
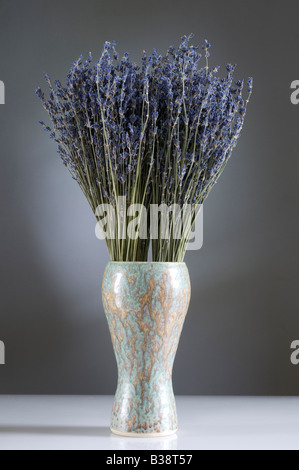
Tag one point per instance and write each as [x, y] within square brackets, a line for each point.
[161, 132]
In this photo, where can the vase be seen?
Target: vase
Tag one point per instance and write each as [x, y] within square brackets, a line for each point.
[145, 305]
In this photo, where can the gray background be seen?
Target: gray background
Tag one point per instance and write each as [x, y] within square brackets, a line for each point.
[244, 310]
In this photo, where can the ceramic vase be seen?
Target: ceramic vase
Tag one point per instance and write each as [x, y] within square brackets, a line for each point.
[146, 305]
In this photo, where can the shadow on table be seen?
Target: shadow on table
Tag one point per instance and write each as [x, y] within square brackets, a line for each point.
[89, 431]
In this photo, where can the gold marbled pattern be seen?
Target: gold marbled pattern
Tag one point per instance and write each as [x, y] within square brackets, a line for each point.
[146, 305]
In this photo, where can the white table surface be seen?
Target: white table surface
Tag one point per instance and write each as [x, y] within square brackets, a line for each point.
[82, 422]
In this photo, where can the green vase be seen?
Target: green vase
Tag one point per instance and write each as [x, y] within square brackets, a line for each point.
[146, 305]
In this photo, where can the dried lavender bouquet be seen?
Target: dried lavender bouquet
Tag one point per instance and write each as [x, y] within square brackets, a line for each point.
[159, 133]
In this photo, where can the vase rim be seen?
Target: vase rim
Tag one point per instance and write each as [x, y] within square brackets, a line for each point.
[147, 262]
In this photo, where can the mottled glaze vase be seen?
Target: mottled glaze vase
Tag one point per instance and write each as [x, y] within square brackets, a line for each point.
[146, 305]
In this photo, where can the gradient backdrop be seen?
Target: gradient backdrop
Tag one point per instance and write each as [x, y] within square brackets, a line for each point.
[244, 311]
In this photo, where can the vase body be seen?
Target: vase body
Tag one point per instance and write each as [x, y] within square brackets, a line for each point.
[146, 305]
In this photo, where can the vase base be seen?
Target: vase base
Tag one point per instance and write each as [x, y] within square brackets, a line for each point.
[143, 434]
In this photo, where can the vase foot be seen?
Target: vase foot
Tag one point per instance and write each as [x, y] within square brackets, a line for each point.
[143, 434]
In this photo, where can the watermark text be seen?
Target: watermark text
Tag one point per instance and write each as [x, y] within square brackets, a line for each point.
[295, 93]
[295, 353]
[158, 222]
[2, 93]
[2, 353]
